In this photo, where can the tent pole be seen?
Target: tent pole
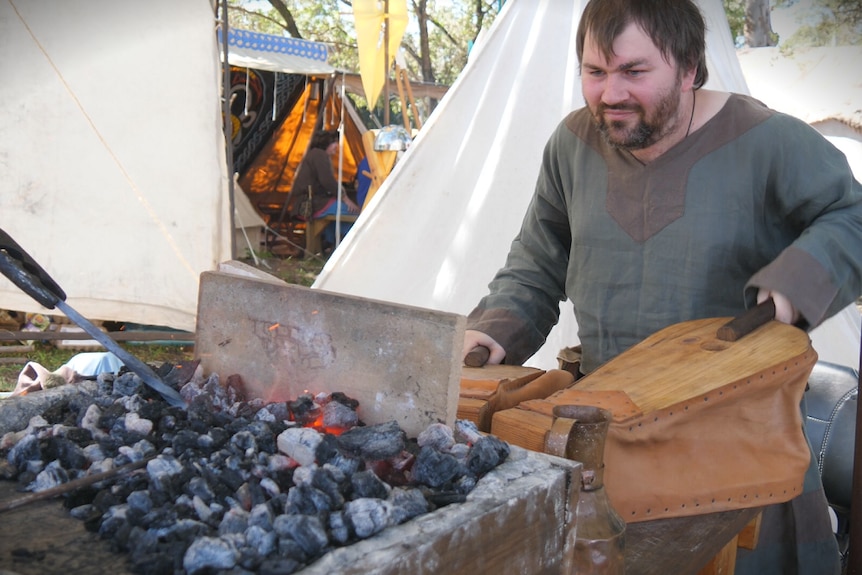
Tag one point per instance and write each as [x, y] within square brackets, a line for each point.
[386, 62]
[228, 127]
[340, 167]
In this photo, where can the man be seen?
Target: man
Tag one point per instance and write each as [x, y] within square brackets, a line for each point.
[661, 202]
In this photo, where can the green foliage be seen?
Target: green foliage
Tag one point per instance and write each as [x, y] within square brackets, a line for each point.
[452, 28]
[735, 11]
[827, 23]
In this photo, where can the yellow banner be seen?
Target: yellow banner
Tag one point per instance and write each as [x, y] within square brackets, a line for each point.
[369, 18]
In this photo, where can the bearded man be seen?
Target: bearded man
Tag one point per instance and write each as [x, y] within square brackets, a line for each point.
[661, 202]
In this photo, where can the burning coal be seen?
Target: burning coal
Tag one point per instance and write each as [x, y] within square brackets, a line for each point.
[236, 484]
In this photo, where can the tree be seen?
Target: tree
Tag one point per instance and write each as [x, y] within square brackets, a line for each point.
[827, 23]
[437, 41]
[750, 19]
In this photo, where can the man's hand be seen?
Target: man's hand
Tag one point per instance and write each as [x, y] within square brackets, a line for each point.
[784, 310]
[474, 338]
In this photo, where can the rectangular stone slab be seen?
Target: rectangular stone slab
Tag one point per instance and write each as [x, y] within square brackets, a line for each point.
[401, 363]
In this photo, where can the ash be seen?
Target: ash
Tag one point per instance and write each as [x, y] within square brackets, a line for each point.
[233, 485]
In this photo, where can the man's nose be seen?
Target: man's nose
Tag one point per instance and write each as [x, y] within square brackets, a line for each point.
[614, 90]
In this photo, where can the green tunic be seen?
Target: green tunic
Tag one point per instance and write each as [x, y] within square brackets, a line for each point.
[754, 198]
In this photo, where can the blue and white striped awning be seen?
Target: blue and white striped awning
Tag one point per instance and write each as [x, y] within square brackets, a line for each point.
[276, 53]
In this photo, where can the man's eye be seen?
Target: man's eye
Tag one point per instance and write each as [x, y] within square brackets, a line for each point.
[634, 73]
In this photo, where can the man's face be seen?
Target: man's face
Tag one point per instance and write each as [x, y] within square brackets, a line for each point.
[635, 96]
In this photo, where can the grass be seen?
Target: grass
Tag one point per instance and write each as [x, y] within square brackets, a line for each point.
[292, 270]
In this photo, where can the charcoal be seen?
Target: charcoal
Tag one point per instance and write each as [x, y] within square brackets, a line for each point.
[141, 450]
[407, 503]
[487, 453]
[299, 443]
[367, 484]
[339, 528]
[27, 449]
[436, 469]
[80, 437]
[460, 451]
[234, 521]
[232, 478]
[140, 500]
[369, 516]
[467, 431]
[112, 520]
[161, 469]
[346, 465]
[243, 443]
[306, 530]
[339, 416]
[203, 511]
[52, 476]
[84, 512]
[184, 440]
[437, 435]
[279, 411]
[233, 486]
[141, 543]
[279, 566]
[374, 442]
[289, 548]
[443, 498]
[303, 499]
[465, 484]
[181, 530]
[343, 399]
[105, 499]
[127, 384]
[304, 410]
[90, 418]
[219, 437]
[327, 449]
[110, 415]
[198, 487]
[59, 413]
[261, 516]
[209, 553]
[270, 486]
[324, 479]
[250, 494]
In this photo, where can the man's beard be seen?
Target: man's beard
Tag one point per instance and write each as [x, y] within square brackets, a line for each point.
[648, 130]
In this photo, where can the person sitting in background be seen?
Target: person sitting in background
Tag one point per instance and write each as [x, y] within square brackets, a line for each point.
[315, 173]
[363, 182]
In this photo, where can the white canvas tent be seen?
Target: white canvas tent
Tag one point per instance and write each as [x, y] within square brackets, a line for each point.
[441, 224]
[112, 153]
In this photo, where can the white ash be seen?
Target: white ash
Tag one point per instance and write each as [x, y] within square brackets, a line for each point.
[234, 485]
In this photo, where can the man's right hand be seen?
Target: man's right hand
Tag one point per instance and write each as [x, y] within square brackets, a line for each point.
[474, 338]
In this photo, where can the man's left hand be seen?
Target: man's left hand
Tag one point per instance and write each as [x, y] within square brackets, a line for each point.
[784, 310]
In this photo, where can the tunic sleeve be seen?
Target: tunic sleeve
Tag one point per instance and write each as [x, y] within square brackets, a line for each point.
[523, 301]
[814, 188]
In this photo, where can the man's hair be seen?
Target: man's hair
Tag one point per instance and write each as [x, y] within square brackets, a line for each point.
[323, 138]
[676, 27]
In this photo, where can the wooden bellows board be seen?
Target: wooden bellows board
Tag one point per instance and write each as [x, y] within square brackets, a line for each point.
[699, 424]
[492, 388]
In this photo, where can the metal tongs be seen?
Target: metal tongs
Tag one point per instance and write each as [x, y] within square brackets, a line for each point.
[17, 265]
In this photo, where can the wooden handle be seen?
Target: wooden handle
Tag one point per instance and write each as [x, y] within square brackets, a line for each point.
[747, 322]
[542, 387]
[71, 486]
[477, 357]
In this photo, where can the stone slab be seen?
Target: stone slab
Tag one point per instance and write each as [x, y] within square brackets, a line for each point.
[402, 363]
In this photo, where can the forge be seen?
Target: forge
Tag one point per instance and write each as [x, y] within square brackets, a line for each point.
[252, 477]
